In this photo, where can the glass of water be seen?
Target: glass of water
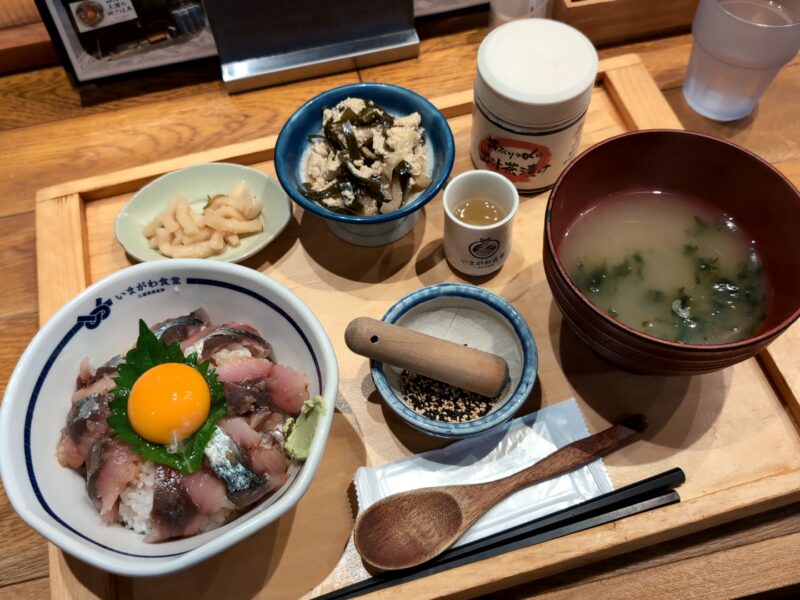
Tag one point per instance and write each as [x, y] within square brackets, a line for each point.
[739, 47]
[503, 11]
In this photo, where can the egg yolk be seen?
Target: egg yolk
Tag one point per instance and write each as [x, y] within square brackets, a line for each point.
[168, 403]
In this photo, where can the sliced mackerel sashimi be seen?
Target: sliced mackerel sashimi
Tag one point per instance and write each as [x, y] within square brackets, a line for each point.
[183, 327]
[244, 459]
[100, 385]
[261, 456]
[265, 420]
[206, 490]
[87, 376]
[86, 427]
[256, 383]
[182, 503]
[244, 396]
[287, 388]
[174, 513]
[112, 465]
[242, 485]
[269, 462]
[245, 383]
[240, 432]
[237, 335]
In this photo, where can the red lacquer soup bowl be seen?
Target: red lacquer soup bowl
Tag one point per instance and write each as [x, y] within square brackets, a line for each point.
[763, 203]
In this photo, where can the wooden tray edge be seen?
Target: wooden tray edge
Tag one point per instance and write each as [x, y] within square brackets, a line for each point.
[783, 389]
[60, 224]
[61, 207]
[614, 21]
[578, 549]
[262, 149]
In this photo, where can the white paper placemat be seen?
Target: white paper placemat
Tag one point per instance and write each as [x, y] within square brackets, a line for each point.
[519, 444]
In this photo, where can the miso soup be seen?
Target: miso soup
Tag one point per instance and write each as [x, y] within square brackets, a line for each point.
[669, 266]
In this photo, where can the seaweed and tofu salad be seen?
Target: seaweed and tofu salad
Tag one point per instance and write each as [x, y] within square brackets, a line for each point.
[366, 161]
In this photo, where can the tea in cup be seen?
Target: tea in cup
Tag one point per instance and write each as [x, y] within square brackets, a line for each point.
[479, 208]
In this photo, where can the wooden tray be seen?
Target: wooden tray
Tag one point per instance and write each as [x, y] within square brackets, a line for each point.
[730, 431]
[614, 21]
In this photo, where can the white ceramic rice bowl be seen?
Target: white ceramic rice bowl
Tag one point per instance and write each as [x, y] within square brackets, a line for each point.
[53, 499]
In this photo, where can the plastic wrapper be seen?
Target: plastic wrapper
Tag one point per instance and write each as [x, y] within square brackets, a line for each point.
[494, 455]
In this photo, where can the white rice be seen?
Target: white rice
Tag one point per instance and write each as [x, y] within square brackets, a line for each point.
[136, 502]
[225, 514]
[231, 354]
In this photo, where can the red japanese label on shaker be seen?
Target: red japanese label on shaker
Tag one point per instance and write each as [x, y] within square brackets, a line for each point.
[518, 160]
[532, 161]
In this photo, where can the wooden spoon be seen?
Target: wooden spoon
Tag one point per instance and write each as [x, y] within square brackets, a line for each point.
[406, 529]
[468, 368]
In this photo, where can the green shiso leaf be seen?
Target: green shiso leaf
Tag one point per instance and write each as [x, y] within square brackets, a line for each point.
[149, 352]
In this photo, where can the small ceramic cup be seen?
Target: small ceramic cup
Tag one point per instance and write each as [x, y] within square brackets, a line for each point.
[478, 249]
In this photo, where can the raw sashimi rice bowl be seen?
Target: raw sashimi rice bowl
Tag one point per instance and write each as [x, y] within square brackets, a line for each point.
[88, 462]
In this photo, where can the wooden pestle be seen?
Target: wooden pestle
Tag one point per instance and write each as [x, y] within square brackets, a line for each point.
[468, 368]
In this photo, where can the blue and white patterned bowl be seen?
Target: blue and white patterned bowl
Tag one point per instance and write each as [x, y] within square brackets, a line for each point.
[464, 314]
[293, 145]
[102, 322]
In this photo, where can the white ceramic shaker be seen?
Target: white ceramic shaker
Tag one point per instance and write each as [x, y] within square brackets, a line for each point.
[532, 91]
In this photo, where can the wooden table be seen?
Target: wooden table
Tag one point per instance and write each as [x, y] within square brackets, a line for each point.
[47, 136]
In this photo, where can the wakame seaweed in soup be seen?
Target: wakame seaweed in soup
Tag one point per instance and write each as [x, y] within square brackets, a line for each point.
[668, 266]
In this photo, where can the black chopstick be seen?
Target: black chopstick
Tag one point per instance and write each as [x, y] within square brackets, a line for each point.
[606, 503]
[388, 579]
[664, 499]
[645, 495]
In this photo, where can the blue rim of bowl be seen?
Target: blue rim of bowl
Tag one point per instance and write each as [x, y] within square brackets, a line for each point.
[423, 198]
[530, 361]
[93, 321]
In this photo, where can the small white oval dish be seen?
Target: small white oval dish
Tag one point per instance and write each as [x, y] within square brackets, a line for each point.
[197, 183]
